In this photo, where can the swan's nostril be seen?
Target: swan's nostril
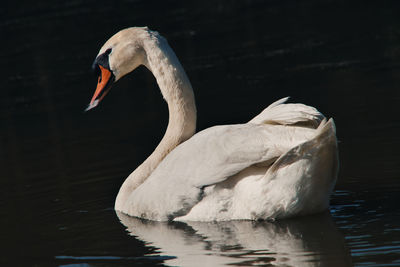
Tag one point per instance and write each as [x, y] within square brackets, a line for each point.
[105, 81]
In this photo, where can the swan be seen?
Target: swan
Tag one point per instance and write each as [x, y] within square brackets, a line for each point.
[282, 163]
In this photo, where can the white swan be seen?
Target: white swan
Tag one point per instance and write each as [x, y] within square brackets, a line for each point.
[280, 164]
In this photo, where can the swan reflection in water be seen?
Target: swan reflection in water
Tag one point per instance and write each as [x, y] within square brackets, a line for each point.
[307, 241]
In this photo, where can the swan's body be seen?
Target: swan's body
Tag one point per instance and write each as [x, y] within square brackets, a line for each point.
[280, 164]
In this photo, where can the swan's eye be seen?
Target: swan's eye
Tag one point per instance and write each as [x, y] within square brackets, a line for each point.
[103, 61]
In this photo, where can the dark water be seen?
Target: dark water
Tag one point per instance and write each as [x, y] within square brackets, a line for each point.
[62, 168]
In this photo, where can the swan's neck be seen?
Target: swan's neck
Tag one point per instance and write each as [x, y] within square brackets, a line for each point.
[177, 91]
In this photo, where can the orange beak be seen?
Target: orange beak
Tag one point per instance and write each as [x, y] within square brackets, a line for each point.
[103, 87]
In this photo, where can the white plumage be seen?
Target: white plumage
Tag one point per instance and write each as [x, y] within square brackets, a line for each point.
[282, 163]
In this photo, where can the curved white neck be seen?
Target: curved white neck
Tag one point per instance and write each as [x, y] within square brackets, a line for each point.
[177, 91]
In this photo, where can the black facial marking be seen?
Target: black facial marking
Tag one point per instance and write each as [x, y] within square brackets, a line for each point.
[103, 61]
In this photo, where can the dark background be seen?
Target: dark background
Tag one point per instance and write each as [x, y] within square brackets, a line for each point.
[62, 168]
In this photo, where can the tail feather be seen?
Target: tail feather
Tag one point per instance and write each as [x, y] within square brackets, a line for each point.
[289, 114]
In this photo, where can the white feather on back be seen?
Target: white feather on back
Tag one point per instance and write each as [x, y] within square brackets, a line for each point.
[289, 114]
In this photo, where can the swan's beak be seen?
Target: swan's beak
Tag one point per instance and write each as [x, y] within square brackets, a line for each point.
[104, 84]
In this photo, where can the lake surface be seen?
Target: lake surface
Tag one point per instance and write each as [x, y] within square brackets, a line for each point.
[62, 168]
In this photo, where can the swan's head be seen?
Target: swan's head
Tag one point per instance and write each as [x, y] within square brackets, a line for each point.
[121, 54]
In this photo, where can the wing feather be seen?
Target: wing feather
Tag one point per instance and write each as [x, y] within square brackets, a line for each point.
[209, 157]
